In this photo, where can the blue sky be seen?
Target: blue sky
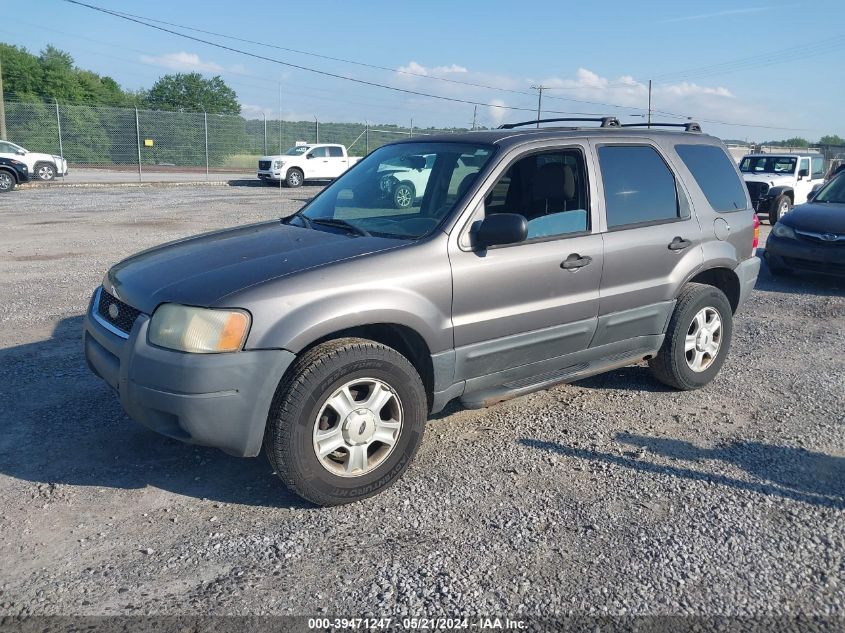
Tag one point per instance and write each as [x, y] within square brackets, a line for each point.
[770, 69]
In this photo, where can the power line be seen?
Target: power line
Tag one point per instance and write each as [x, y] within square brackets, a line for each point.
[144, 22]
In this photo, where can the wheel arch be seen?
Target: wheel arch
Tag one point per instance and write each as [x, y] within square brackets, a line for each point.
[402, 338]
[725, 280]
[11, 172]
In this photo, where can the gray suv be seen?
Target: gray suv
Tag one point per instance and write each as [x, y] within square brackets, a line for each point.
[530, 257]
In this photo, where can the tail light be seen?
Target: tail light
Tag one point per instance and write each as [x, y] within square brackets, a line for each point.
[756, 240]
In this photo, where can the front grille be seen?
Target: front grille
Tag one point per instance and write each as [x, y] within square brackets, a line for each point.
[824, 239]
[126, 314]
[756, 190]
[264, 164]
[814, 266]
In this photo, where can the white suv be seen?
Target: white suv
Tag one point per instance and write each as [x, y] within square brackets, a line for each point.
[41, 166]
[776, 182]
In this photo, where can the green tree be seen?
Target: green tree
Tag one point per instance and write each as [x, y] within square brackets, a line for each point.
[832, 139]
[192, 92]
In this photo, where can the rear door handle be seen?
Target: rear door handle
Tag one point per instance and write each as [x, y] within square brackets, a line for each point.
[679, 244]
[575, 261]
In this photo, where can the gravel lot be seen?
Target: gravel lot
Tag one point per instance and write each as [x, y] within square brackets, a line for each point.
[612, 495]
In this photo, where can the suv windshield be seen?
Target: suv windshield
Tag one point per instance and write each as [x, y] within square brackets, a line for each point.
[768, 164]
[296, 151]
[834, 191]
[401, 191]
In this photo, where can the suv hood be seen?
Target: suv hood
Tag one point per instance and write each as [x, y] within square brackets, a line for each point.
[773, 180]
[202, 270]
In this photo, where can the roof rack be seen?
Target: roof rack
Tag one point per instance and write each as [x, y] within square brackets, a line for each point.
[606, 121]
[692, 126]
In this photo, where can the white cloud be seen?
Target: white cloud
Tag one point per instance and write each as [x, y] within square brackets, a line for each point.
[498, 115]
[418, 69]
[182, 61]
[252, 111]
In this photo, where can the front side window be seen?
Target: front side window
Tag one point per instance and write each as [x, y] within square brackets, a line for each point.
[8, 148]
[716, 176]
[401, 191]
[320, 152]
[549, 189]
[804, 165]
[638, 186]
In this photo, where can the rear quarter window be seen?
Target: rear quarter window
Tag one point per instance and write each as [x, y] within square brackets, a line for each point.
[715, 174]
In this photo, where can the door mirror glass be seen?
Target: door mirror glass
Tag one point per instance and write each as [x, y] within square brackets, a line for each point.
[21, 152]
[501, 228]
[803, 173]
[309, 156]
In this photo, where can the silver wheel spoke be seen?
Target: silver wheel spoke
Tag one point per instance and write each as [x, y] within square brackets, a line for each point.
[342, 402]
[689, 343]
[700, 321]
[386, 432]
[329, 441]
[357, 460]
[378, 398]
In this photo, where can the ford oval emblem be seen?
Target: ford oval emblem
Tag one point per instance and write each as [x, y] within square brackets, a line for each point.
[114, 311]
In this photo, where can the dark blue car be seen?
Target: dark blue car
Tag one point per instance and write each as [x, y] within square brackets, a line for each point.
[12, 173]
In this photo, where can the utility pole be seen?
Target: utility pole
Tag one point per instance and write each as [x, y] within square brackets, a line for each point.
[474, 116]
[411, 133]
[649, 103]
[539, 88]
[2, 107]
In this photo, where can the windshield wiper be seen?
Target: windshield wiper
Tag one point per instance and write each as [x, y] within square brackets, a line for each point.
[301, 216]
[342, 224]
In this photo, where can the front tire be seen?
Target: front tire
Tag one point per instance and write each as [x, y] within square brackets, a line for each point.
[7, 182]
[294, 178]
[780, 208]
[403, 195]
[346, 421]
[45, 172]
[697, 340]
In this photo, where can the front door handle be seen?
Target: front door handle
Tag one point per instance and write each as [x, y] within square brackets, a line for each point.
[575, 261]
[679, 244]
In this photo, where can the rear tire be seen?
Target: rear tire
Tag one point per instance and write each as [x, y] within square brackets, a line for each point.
[697, 340]
[780, 208]
[330, 453]
[7, 181]
[294, 178]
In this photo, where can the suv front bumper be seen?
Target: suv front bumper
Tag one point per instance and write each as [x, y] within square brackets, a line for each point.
[219, 400]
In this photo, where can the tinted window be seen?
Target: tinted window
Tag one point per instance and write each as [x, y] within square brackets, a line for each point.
[804, 165]
[335, 152]
[320, 152]
[818, 167]
[548, 189]
[715, 174]
[638, 186]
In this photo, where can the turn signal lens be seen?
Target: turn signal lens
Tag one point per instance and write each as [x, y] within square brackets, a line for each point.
[198, 330]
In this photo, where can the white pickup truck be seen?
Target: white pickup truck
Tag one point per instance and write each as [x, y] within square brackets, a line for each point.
[306, 161]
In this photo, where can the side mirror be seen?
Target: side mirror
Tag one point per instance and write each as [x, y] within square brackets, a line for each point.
[501, 228]
[309, 156]
[803, 173]
[21, 152]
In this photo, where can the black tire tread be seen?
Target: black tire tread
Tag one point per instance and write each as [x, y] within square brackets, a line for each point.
[665, 364]
[292, 389]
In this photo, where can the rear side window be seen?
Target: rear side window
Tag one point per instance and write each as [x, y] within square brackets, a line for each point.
[638, 186]
[715, 174]
[335, 152]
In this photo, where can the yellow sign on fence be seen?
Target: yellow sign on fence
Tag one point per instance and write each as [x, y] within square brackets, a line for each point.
[148, 142]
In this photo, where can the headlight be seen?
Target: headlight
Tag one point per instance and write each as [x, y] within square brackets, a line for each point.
[781, 230]
[279, 164]
[198, 330]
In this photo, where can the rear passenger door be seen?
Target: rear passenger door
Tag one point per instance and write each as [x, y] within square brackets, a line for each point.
[652, 240]
[337, 161]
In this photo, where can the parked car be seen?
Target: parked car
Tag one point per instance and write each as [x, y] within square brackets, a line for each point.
[305, 162]
[331, 335]
[12, 173]
[41, 166]
[777, 182]
[812, 237]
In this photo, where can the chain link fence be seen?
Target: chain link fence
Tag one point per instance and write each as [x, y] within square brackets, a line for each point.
[129, 139]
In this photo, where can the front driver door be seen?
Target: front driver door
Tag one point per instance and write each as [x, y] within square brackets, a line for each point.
[518, 309]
